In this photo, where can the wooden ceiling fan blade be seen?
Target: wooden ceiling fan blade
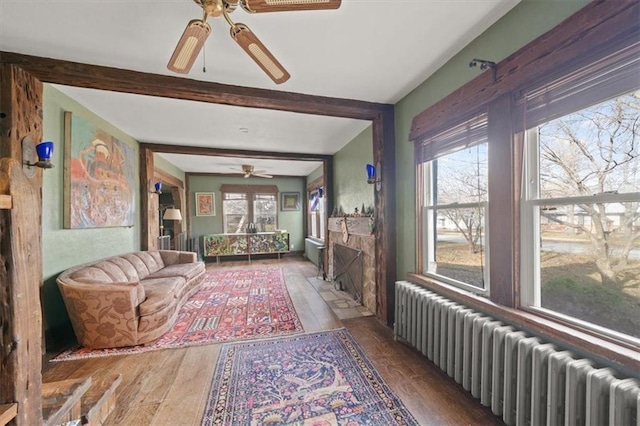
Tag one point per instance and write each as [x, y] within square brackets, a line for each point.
[259, 53]
[262, 175]
[189, 46]
[262, 6]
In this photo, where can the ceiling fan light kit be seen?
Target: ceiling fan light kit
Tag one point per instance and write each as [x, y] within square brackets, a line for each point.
[197, 31]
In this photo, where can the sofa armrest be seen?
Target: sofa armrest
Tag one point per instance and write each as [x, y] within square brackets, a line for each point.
[172, 257]
[103, 315]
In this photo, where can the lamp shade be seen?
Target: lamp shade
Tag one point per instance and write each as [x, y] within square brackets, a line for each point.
[172, 214]
[44, 150]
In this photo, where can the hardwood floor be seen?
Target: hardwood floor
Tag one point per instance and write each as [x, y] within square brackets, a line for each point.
[170, 387]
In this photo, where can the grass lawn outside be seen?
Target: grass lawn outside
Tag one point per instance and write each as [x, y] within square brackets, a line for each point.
[571, 285]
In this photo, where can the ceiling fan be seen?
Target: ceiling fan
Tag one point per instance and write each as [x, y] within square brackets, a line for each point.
[248, 171]
[198, 30]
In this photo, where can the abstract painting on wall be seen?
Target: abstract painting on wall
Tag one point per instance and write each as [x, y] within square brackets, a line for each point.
[99, 177]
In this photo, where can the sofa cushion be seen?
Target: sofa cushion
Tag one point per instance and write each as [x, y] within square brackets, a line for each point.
[105, 272]
[135, 261]
[160, 293]
[91, 275]
[185, 270]
[152, 259]
[126, 267]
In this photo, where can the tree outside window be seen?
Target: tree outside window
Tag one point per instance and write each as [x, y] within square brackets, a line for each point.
[455, 219]
[587, 199]
[255, 205]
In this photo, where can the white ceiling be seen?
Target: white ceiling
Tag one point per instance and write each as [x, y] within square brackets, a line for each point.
[371, 50]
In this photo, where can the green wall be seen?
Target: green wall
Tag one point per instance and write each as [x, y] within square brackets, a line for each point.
[350, 176]
[525, 22]
[290, 221]
[315, 174]
[63, 248]
[168, 167]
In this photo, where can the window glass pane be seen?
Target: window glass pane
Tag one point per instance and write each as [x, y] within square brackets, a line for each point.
[314, 201]
[455, 234]
[462, 176]
[592, 151]
[264, 212]
[234, 209]
[589, 258]
[590, 263]
[316, 214]
[459, 245]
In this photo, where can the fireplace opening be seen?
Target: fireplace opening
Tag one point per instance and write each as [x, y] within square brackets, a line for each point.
[347, 270]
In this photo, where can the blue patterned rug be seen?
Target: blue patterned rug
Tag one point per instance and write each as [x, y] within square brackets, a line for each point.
[311, 379]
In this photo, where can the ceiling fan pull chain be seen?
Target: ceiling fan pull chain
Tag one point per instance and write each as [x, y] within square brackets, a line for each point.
[204, 58]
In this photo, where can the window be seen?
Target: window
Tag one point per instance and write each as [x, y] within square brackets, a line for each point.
[455, 203]
[563, 211]
[235, 212]
[265, 212]
[583, 216]
[316, 214]
[245, 204]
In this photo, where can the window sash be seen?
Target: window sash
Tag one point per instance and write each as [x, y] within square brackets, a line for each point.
[429, 218]
[429, 215]
[531, 241]
[315, 215]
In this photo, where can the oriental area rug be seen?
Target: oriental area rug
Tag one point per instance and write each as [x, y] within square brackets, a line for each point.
[310, 379]
[233, 304]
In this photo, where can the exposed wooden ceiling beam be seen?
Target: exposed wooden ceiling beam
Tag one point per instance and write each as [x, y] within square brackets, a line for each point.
[126, 81]
[238, 153]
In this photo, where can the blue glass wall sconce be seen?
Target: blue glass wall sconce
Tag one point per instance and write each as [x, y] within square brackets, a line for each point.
[373, 175]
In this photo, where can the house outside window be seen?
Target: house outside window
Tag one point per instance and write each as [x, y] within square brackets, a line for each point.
[454, 206]
[244, 204]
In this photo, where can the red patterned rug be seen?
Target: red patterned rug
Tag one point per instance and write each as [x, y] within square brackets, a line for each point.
[233, 304]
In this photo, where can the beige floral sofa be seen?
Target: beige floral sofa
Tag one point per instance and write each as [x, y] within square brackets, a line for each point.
[129, 299]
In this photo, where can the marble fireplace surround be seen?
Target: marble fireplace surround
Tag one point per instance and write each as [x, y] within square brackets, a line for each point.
[359, 238]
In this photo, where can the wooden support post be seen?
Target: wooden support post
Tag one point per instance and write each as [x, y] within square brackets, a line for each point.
[150, 217]
[20, 248]
[5, 202]
[384, 156]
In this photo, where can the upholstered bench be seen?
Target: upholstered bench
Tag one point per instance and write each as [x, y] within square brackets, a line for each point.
[129, 299]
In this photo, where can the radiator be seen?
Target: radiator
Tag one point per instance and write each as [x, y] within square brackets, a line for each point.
[522, 378]
[312, 249]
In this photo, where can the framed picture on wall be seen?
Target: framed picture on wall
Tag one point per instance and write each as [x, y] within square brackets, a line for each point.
[205, 204]
[290, 201]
